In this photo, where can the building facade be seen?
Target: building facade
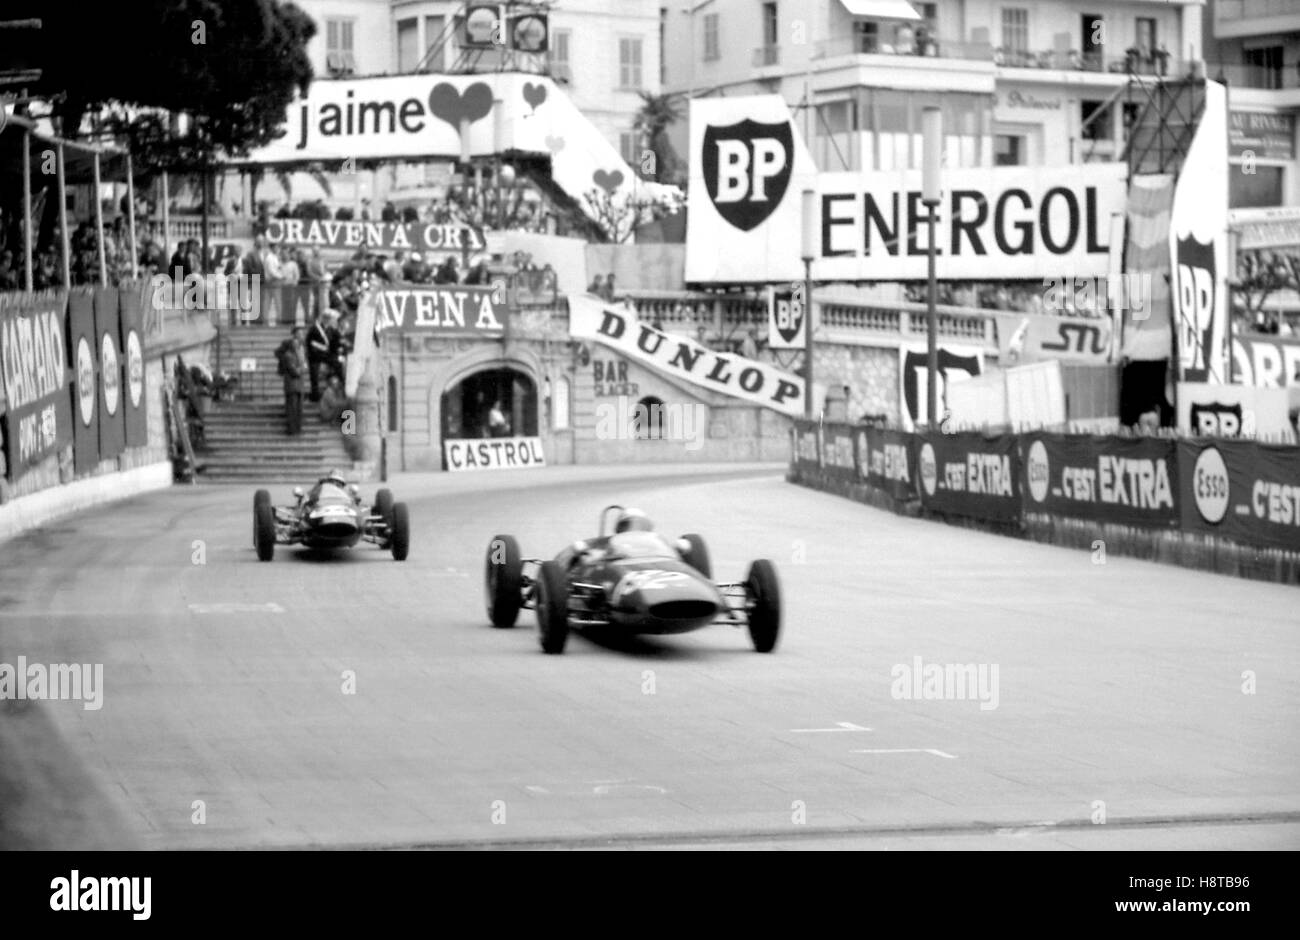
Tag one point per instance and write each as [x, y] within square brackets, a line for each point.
[1019, 82]
[603, 54]
[1254, 47]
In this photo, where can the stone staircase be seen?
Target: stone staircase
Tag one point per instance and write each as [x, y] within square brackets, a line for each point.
[245, 437]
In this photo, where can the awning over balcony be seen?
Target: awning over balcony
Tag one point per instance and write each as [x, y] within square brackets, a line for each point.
[882, 9]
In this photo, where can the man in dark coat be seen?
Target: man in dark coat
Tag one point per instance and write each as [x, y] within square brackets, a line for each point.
[292, 354]
[319, 342]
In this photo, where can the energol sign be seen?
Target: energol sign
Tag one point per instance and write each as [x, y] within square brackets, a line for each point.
[749, 166]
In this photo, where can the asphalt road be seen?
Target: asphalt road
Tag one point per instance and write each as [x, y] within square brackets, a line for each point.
[1122, 716]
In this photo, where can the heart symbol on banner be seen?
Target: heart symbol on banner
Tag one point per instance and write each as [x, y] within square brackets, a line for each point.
[554, 144]
[608, 181]
[449, 104]
[534, 94]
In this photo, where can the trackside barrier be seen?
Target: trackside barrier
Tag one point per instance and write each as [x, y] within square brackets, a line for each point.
[1224, 505]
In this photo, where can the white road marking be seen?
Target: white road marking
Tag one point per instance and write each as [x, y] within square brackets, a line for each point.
[542, 791]
[604, 789]
[236, 609]
[842, 726]
[907, 750]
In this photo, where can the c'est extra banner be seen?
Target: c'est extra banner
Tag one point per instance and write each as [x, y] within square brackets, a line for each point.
[970, 474]
[1107, 479]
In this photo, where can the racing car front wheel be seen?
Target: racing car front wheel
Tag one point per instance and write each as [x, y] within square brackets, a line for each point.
[383, 507]
[264, 531]
[764, 605]
[399, 531]
[503, 577]
[552, 607]
[697, 556]
[260, 498]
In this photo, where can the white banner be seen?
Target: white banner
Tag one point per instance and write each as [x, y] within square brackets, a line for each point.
[1198, 247]
[682, 358]
[452, 117]
[497, 453]
[749, 166]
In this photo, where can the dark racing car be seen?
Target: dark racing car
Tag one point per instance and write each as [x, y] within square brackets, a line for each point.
[330, 516]
[632, 579]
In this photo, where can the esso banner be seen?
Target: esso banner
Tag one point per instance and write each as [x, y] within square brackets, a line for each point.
[1241, 490]
[498, 453]
[1198, 247]
[749, 166]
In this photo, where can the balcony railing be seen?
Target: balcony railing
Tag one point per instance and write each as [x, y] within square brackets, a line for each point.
[1255, 76]
[1227, 11]
[767, 55]
[1133, 62]
[936, 48]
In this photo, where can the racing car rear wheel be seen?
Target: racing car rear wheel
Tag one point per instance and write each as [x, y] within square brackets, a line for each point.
[383, 507]
[264, 531]
[765, 605]
[552, 607]
[698, 555]
[399, 531]
[260, 498]
[504, 579]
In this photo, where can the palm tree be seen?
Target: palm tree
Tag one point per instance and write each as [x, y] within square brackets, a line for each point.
[657, 114]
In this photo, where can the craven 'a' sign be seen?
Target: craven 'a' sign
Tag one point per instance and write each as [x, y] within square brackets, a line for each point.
[441, 309]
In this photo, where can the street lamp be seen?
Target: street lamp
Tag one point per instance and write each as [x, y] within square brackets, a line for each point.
[809, 206]
[932, 148]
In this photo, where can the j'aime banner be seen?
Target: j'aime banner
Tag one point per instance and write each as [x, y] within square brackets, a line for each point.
[453, 117]
[749, 166]
[684, 359]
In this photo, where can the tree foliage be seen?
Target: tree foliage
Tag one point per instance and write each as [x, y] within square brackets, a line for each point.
[228, 68]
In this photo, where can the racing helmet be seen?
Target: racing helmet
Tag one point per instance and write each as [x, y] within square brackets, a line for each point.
[633, 520]
[335, 477]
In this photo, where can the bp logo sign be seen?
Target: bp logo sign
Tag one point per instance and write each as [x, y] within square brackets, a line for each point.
[1195, 301]
[85, 381]
[929, 469]
[747, 170]
[1037, 471]
[1210, 485]
[111, 374]
[134, 368]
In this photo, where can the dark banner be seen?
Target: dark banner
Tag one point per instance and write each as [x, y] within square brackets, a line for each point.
[970, 474]
[34, 369]
[133, 387]
[373, 236]
[108, 330]
[1241, 490]
[85, 397]
[887, 461]
[440, 309]
[838, 457]
[807, 445]
[1109, 479]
